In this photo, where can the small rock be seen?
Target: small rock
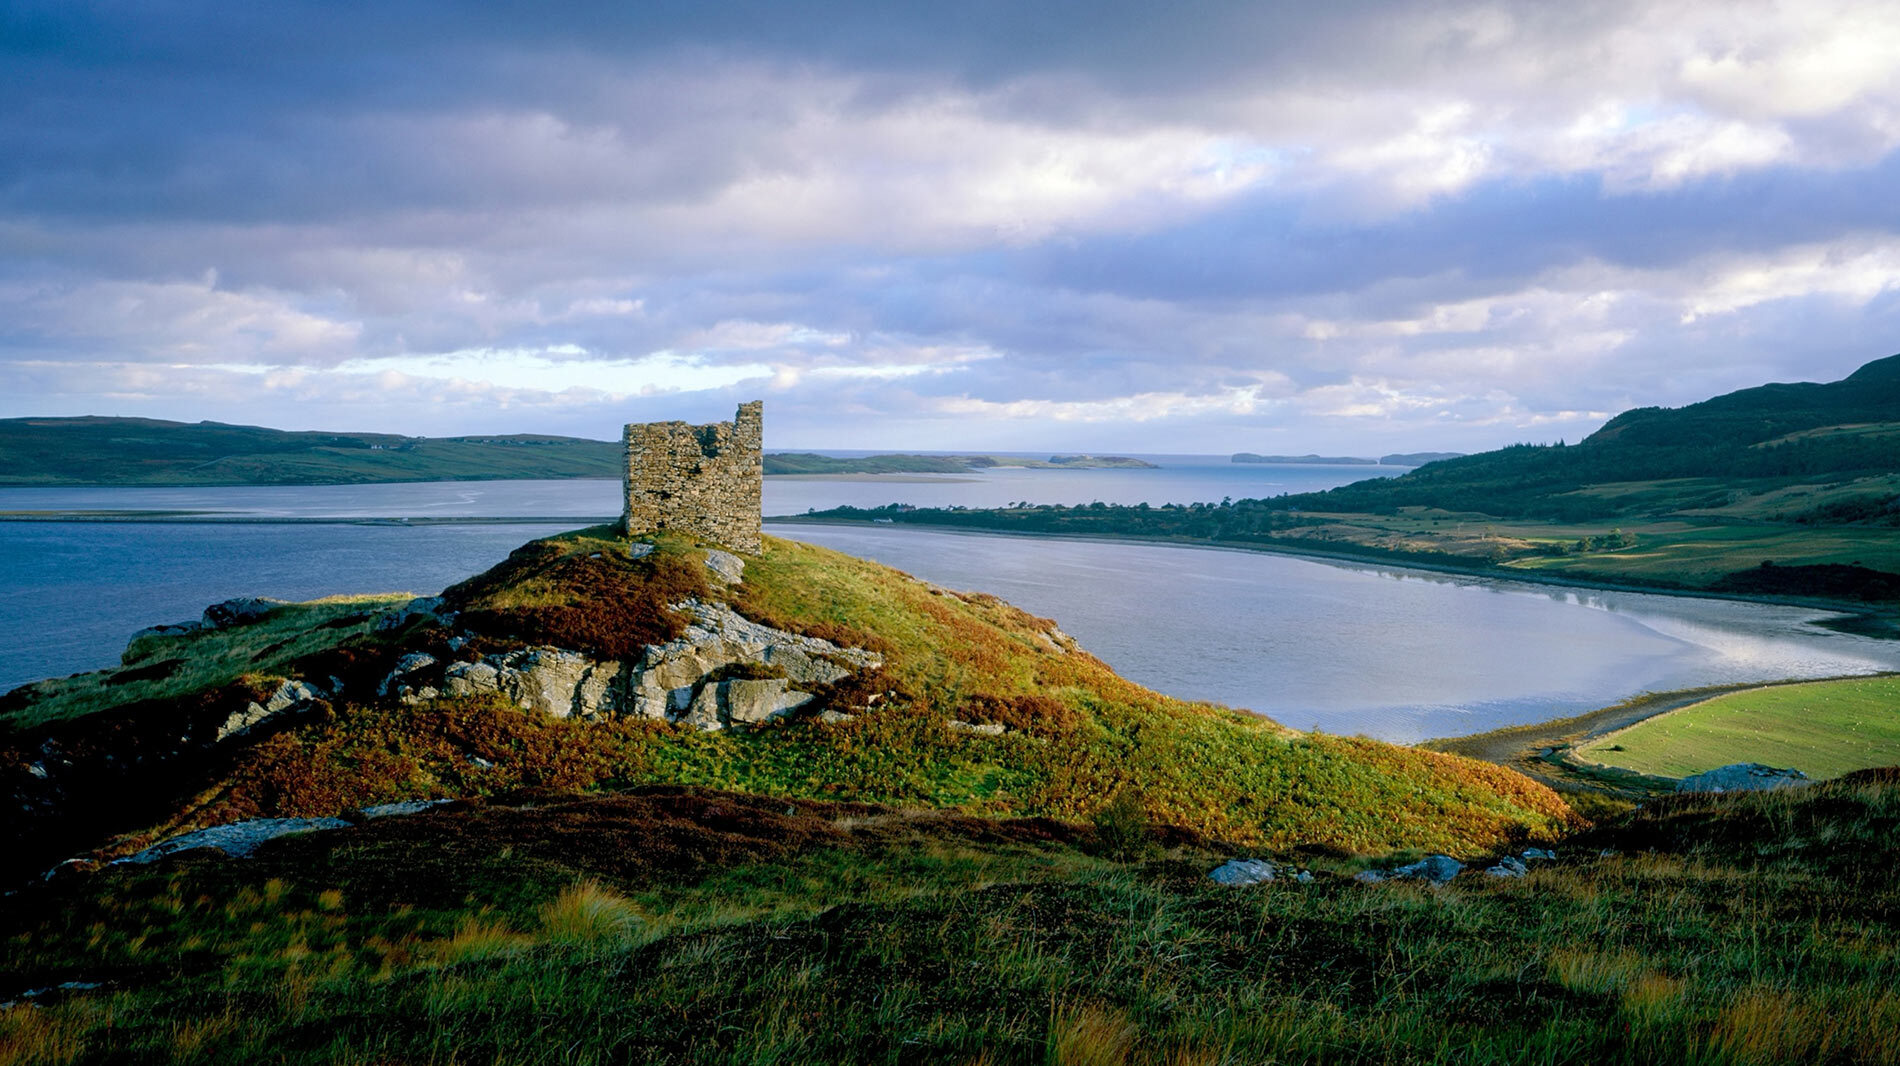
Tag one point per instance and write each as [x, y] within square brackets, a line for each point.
[1432, 869]
[1743, 777]
[835, 717]
[1539, 854]
[238, 611]
[1508, 866]
[480, 762]
[639, 550]
[396, 683]
[1304, 877]
[173, 629]
[1437, 869]
[391, 810]
[987, 729]
[727, 568]
[1238, 872]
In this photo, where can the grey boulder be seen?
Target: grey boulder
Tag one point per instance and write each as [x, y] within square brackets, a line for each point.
[238, 839]
[1432, 869]
[1743, 777]
[238, 611]
[1239, 872]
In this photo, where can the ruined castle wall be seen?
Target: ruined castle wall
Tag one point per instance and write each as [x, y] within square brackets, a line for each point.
[705, 481]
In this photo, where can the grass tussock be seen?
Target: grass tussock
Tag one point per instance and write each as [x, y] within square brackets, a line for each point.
[590, 914]
[887, 935]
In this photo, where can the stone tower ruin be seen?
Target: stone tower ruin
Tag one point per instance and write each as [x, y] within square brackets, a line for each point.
[704, 481]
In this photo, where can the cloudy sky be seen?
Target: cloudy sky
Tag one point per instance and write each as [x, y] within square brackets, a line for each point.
[1344, 226]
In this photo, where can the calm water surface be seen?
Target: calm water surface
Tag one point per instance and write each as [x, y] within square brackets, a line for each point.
[1391, 653]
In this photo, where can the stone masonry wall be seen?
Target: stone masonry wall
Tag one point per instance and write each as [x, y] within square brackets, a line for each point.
[705, 481]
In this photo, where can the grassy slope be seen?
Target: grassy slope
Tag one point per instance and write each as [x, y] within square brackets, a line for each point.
[1824, 728]
[1079, 734]
[698, 927]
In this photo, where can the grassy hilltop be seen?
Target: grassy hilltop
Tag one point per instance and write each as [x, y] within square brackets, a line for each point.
[999, 856]
[1073, 733]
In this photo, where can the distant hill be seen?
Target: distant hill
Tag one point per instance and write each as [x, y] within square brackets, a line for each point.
[1830, 431]
[1417, 458]
[143, 451]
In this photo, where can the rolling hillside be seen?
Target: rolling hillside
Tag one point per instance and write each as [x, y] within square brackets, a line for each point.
[142, 451]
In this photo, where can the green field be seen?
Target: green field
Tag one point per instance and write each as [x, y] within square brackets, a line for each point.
[1823, 728]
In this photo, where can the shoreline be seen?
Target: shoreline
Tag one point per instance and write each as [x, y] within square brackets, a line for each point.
[1877, 623]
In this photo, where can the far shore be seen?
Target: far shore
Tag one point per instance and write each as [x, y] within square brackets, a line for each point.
[1859, 618]
[895, 479]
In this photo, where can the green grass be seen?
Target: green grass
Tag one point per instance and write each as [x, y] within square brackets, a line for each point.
[712, 928]
[166, 667]
[1823, 728]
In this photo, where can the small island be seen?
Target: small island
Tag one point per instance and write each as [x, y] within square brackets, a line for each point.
[1396, 459]
[1304, 460]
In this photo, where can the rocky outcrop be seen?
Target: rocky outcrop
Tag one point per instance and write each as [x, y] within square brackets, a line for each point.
[1743, 777]
[677, 681]
[290, 698]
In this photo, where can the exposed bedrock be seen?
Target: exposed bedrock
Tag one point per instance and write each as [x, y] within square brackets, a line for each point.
[681, 680]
